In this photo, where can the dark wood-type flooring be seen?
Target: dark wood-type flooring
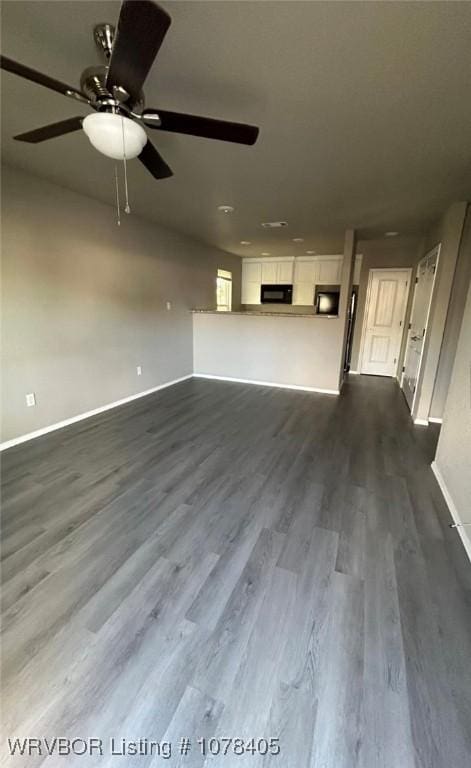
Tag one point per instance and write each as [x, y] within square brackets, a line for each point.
[222, 560]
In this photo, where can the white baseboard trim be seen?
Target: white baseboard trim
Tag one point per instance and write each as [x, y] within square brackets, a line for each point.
[87, 414]
[435, 420]
[421, 422]
[355, 373]
[267, 384]
[452, 507]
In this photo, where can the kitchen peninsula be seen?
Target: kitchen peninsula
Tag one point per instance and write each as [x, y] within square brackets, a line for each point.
[298, 351]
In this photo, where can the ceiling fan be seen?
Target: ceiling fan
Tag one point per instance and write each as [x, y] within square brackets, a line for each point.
[114, 91]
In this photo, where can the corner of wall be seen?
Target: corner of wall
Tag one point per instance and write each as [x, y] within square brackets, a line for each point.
[345, 291]
[458, 522]
[453, 455]
[449, 234]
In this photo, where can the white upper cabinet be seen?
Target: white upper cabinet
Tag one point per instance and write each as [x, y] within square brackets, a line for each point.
[309, 272]
[277, 272]
[284, 272]
[251, 281]
[304, 281]
[305, 272]
[329, 271]
[252, 271]
[269, 270]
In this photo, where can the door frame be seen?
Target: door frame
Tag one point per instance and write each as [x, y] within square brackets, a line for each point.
[407, 271]
[436, 248]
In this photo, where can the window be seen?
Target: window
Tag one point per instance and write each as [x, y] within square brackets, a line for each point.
[224, 291]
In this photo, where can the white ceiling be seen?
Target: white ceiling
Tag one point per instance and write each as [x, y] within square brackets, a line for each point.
[364, 110]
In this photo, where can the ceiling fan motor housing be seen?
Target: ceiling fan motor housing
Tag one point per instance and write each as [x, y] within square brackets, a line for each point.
[93, 85]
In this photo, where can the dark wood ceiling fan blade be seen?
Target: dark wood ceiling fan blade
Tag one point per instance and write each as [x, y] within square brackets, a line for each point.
[142, 26]
[51, 131]
[154, 162]
[207, 127]
[37, 77]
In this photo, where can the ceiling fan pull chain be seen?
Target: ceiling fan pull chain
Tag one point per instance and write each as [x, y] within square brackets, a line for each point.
[127, 209]
[117, 194]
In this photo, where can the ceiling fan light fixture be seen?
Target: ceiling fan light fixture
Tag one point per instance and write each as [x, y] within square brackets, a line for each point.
[105, 132]
[116, 90]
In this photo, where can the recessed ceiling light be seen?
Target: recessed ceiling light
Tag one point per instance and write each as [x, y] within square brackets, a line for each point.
[226, 208]
[265, 253]
[298, 239]
[245, 242]
[310, 253]
[391, 234]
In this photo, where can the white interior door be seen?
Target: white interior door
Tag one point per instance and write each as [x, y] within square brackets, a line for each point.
[384, 320]
[423, 292]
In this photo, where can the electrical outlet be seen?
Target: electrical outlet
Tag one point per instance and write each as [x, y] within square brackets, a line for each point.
[139, 370]
[169, 306]
[30, 399]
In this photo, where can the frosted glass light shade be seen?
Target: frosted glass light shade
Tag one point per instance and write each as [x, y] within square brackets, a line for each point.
[105, 132]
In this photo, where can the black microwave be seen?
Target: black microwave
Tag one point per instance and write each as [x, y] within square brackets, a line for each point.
[276, 294]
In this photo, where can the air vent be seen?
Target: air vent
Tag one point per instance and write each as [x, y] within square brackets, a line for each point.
[274, 224]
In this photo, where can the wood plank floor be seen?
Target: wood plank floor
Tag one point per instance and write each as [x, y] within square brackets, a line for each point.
[222, 560]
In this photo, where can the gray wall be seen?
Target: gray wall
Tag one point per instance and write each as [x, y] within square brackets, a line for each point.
[84, 302]
[453, 321]
[448, 232]
[383, 253]
[296, 351]
[453, 458]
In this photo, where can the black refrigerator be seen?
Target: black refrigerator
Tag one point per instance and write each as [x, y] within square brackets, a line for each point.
[352, 308]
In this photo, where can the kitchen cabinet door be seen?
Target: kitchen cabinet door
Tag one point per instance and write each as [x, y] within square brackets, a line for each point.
[251, 280]
[252, 271]
[250, 293]
[269, 272]
[284, 272]
[304, 281]
[305, 272]
[303, 294]
[329, 271]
